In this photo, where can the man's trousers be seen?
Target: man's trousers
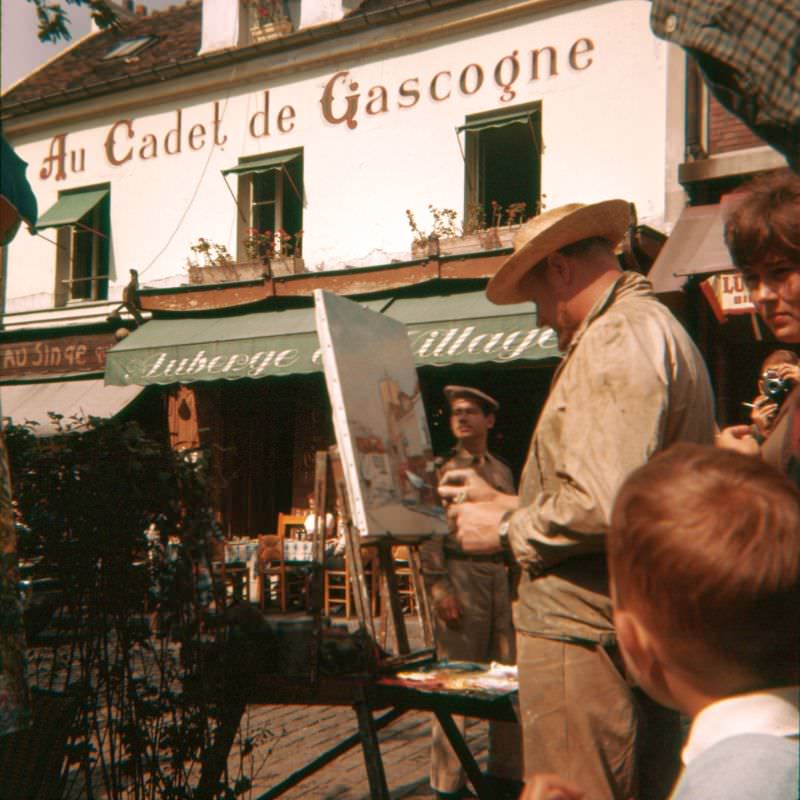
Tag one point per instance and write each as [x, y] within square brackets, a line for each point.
[582, 720]
[484, 633]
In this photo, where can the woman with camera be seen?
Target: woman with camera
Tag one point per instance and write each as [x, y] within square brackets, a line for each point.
[763, 236]
[780, 373]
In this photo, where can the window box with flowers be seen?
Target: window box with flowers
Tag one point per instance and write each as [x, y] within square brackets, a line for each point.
[268, 254]
[280, 252]
[212, 263]
[267, 19]
[447, 237]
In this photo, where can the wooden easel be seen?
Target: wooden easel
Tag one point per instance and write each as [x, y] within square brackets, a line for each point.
[328, 465]
[366, 691]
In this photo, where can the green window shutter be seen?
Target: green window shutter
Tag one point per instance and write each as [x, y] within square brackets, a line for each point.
[265, 164]
[71, 208]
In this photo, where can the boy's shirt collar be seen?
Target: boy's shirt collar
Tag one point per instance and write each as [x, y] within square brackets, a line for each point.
[773, 711]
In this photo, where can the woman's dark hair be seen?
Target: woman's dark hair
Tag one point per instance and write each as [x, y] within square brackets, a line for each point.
[766, 224]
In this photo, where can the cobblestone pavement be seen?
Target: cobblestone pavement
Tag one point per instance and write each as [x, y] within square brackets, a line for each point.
[297, 734]
[288, 737]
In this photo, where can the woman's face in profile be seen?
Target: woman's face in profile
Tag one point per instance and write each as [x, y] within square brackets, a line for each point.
[775, 288]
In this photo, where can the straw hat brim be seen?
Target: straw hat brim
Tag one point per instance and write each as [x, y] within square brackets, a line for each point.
[608, 220]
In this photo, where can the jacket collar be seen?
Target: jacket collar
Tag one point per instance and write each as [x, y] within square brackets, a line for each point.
[626, 287]
[775, 712]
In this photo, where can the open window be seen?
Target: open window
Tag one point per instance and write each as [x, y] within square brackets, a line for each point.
[502, 154]
[270, 200]
[83, 222]
[267, 19]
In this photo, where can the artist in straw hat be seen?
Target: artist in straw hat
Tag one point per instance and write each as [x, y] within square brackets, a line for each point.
[470, 597]
[631, 382]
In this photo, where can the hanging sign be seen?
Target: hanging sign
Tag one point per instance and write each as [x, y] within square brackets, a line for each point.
[727, 294]
[56, 356]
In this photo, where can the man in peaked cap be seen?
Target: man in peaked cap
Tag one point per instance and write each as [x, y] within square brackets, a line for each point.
[631, 383]
[470, 595]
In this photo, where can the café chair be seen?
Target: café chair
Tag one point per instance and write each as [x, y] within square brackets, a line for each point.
[234, 575]
[275, 574]
[336, 590]
[271, 565]
[405, 581]
[337, 585]
[406, 593]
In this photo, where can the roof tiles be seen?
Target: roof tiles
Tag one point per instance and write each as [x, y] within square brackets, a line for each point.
[83, 71]
[177, 32]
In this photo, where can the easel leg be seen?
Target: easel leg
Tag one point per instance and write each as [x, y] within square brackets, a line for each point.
[464, 755]
[383, 589]
[392, 599]
[318, 578]
[358, 582]
[423, 605]
[378, 789]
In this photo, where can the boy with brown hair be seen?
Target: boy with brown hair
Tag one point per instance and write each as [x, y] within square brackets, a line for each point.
[704, 563]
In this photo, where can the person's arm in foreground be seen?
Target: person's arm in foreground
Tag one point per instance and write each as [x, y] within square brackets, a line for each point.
[738, 438]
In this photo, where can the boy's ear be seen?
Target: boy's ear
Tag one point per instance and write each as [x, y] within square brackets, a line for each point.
[632, 641]
[641, 656]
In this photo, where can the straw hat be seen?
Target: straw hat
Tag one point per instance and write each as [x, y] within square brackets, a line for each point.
[470, 393]
[550, 231]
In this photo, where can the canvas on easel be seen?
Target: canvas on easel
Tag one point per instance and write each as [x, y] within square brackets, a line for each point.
[379, 419]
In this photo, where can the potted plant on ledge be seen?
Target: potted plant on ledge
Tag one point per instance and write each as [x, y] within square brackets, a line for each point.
[447, 237]
[212, 263]
[279, 251]
[268, 254]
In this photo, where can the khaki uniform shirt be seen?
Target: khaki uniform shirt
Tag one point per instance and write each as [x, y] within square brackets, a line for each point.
[433, 551]
[631, 383]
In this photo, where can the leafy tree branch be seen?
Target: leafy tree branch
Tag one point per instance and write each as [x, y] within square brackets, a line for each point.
[54, 20]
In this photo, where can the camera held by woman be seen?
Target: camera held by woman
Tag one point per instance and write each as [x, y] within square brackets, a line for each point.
[780, 373]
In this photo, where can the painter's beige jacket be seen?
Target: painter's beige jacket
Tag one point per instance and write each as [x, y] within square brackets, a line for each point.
[631, 383]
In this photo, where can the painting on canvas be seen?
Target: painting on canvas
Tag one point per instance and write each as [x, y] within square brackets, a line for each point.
[379, 419]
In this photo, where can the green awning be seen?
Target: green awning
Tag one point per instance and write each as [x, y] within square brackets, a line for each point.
[248, 346]
[443, 329]
[467, 329]
[258, 165]
[499, 120]
[17, 200]
[70, 208]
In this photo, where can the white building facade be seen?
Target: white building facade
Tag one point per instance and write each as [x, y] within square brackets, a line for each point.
[334, 129]
[268, 138]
